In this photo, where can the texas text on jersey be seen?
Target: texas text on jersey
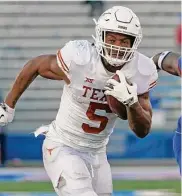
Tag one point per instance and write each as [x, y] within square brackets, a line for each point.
[84, 120]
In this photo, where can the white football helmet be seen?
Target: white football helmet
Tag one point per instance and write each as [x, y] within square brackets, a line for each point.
[122, 20]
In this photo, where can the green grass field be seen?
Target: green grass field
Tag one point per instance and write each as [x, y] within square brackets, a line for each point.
[118, 185]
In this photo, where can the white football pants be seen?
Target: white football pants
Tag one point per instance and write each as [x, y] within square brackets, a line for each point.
[75, 173]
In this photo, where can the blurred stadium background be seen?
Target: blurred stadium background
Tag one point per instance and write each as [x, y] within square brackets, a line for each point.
[29, 29]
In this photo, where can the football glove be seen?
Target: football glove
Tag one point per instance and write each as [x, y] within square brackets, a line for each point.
[6, 114]
[122, 91]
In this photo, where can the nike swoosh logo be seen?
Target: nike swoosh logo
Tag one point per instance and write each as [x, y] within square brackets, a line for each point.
[128, 91]
[2, 115]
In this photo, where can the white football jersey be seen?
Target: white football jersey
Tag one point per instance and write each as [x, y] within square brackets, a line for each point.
[84, 120]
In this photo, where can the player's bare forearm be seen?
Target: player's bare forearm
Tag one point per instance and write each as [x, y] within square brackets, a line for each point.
[140, 116]
[44, 66]
[19, 86]
[22, 81]
[170, 63]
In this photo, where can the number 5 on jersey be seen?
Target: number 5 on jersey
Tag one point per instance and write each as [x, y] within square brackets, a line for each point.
[94, 117]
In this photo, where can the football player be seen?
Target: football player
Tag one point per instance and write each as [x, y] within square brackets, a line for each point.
[74, 150]
[171, 63]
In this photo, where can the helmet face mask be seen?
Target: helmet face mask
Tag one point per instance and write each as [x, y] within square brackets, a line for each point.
[119, 20]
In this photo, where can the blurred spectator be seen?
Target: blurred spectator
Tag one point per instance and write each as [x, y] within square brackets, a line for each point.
[96, 7]
[178, 35]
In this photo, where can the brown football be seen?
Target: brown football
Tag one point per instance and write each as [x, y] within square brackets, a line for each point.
[116, 106]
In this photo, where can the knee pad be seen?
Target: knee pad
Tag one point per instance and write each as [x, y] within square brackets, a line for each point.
[75, 173]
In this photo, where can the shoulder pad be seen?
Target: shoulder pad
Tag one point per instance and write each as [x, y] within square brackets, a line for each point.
[81, 51]
[146, 65]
